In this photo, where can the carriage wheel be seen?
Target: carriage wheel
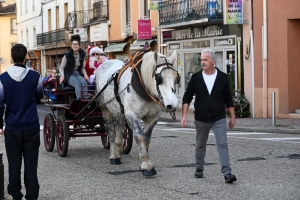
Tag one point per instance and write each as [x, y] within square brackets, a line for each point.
[105, 142]
[62, 136]
[49, 132]
[128, 138]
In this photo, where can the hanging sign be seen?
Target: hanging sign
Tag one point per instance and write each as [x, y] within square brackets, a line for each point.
[153, 4]
[144, 29]
[233, 12]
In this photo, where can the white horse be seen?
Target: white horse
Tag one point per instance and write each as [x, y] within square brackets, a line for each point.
[159, 79]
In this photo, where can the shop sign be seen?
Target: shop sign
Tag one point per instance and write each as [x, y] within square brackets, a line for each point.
[174, 46]
[167, 34]
[233, 12]
[209, 31]
[153, 4]
[99, 32]
[144, 29]
[224, 42]
[82, 32]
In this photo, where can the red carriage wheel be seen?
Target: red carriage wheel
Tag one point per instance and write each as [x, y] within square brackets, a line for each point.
[62, 136]
[128, 138]
[49, 132]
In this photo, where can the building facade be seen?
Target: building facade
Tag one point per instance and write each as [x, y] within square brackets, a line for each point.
[8, 36]
[193, 25]
[272, 64]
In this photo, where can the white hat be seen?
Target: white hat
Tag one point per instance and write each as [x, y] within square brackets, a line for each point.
[96, 50]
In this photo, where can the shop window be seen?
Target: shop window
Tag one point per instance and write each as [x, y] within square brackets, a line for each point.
[192, 63]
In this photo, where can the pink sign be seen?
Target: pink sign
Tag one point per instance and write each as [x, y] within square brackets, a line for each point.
[167, 34]
[144, 29]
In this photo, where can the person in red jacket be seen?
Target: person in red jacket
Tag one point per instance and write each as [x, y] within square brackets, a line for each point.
[88, 70]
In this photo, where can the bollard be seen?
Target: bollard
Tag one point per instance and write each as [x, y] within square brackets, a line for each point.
[273, 109]
[1, 177]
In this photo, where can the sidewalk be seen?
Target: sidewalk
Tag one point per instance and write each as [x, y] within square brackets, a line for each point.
[291, 126]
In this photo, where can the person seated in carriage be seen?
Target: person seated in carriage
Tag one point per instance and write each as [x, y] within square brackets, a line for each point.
[97, 57]
[50, 84]
[72, 71]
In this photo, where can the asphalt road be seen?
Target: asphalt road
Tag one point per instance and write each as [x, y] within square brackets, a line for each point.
[267, 166]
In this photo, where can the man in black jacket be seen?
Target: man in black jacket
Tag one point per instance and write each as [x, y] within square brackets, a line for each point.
[212, 93]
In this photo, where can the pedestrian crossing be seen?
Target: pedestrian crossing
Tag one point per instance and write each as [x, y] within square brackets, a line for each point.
[244, 135]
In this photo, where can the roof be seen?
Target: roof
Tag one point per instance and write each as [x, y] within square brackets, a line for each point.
[138, 43]
[8, 9]
[115, 47]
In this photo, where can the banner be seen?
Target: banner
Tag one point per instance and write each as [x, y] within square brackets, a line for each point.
[153, 4]
[233, 12]
[144, 29]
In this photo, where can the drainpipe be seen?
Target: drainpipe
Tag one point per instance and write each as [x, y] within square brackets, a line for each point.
[265, 61]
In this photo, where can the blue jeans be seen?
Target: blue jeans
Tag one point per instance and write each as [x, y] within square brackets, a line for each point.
[220, 131]
[77, 81]
[24, 144]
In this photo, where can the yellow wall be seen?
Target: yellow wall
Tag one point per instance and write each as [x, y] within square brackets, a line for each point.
[6, 40]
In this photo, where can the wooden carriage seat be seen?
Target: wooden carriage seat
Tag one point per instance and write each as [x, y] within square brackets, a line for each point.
[63, 87]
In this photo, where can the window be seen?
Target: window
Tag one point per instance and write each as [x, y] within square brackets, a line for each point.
[34, 37]
[128, 11]
[26, 7]
[21, 36]
[146, 10]
[20, 7]
[33, 5]
[27, 39]
[13, 26]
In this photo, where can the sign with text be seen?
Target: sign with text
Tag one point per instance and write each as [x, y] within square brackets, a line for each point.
[82, 32]
[144, 29]
[153, 4]
[99, 32]
[233, 12]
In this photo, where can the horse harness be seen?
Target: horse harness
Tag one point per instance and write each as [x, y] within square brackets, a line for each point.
[137, 81]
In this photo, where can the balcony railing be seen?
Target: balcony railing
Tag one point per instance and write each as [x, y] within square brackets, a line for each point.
[177, 11]
[78, 19]
[52, 37]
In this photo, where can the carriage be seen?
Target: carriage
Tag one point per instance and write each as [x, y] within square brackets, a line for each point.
[71, 118]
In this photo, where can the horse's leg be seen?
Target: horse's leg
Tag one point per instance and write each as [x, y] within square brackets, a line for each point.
[119, 129]
[143, 139]
[110, 131]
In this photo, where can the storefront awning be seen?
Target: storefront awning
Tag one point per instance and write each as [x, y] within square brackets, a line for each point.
[115, 47]
[136, 45]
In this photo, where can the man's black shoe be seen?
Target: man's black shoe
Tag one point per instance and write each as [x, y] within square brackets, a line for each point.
[199, 173]
[229, 178]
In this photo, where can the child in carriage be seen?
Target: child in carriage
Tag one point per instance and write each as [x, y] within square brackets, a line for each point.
[97, 57]
[50, 84]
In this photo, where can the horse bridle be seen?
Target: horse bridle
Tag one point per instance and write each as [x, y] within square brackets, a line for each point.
[159, 78]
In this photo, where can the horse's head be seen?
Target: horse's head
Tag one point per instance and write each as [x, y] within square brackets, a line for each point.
[160, 78]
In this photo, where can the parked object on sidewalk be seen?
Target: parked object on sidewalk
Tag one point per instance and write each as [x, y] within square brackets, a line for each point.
[241, 105]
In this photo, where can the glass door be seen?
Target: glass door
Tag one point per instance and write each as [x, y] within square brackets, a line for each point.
[231, 70]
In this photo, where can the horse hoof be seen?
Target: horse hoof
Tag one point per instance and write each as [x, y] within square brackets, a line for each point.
[152, 172]
[116, 161]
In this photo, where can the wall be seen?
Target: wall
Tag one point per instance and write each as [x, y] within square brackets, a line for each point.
[6, 40]
[282, 63]
[247, 62]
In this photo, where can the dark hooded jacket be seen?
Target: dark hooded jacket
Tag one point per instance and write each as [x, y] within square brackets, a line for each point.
[70, 65]
[209, 107]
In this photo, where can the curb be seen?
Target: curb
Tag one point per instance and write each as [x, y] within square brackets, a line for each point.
[176, 124]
